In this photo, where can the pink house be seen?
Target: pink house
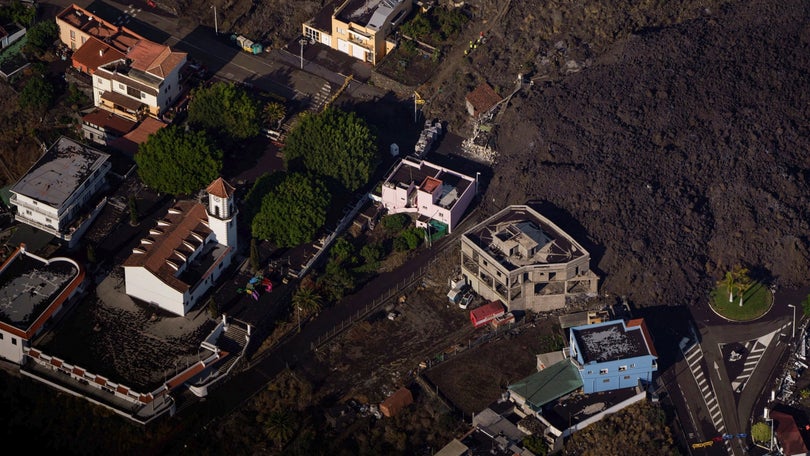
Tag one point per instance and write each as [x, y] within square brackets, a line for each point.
[438, 195]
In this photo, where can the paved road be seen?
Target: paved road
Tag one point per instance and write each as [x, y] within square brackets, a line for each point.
[277, 71]
[705, 381]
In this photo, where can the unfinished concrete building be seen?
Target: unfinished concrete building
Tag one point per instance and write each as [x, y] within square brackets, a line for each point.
[519, 257]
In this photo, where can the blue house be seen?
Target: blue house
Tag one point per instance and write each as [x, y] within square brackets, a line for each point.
[613, 354]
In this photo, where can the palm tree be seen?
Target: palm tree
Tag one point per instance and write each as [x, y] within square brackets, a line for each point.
[729, 281]
[280, 426]
[306, 300]
[742, 281]
[274, 113]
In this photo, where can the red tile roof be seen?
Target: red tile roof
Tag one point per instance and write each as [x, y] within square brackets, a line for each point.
[788, 433]
[220, 188]
[95, 53]
[129, 142]
[483, 98]
[185, 224]
[430, 184]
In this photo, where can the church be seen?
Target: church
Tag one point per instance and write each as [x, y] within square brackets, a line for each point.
[186, 252]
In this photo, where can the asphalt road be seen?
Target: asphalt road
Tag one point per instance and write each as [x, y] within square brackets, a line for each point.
[739, 408]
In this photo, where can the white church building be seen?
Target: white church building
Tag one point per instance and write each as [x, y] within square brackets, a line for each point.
[186, 252]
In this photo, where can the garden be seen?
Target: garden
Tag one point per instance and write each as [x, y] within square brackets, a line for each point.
[738, 297]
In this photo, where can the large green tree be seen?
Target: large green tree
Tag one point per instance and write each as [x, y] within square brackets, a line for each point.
[37, 94]
[333, 144]
[292, 212]
[41, 36]
[224, 108]
[178, 161]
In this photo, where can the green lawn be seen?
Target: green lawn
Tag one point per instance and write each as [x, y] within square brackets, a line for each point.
[756, 302]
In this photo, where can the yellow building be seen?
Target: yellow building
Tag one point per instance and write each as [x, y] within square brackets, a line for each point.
[360, 28]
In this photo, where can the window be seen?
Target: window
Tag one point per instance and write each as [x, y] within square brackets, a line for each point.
[590, 372]
[632, 365]
[1, 336]
[121, 86]
[622, 368]
[72, 34]
[603, 371]
[13, 341]
[84, 38]
[627, 377]
[47, 219]
[134, 93]
[607, 380]
[28, 211]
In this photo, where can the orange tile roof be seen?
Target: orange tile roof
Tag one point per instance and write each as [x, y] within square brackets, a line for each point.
[220, 188]
[430, 184]
[95, 53]
[154, 58]
[185, 224]
[483, 98]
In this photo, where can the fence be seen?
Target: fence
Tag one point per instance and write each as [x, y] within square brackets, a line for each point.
[368, 308]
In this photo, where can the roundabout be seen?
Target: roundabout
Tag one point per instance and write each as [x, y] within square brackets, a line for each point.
[753, 303]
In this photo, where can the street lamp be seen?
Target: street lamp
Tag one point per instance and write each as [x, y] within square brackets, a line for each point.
[794, 319]
[216, 28]
[302, 42]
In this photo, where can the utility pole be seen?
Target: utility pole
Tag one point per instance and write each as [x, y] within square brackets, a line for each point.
[216, 27]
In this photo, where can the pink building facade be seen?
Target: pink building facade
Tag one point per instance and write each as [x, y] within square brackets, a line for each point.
[438, 195]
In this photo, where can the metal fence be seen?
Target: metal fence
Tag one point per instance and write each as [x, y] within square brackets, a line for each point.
[370, 307]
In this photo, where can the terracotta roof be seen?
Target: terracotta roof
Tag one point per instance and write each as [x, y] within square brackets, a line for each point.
[129, 142]
[788, 433]
[430, 184]
[185, 224]
[396, 402]
[155, 58]
[483, 98]
[109, 122]
[220, 188]
[95, 53]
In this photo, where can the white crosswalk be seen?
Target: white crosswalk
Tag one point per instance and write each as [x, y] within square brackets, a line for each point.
[755, 349]
[694, 356]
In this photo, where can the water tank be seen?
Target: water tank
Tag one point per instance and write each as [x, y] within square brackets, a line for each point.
[394, 149]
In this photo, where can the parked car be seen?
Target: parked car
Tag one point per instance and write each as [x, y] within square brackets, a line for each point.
[466, 299]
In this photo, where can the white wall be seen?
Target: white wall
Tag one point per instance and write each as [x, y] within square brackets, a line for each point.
[10, 351]
[143, 285]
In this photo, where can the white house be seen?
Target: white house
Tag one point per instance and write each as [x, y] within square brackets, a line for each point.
[60, 193]
[147, 81]
[185, 253]
[33, 290]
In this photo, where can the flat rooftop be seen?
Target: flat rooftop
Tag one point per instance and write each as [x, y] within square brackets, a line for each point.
[28, 286]
[576, 408]
[609, 342]
[368, 13]
[60, 172]
[429, 177]
[525, 230]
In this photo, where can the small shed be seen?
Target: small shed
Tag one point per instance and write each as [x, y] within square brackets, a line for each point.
[486, 313]
[396, 402]
[481, 99]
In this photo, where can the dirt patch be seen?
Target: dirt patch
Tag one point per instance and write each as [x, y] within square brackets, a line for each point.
[475, 378]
